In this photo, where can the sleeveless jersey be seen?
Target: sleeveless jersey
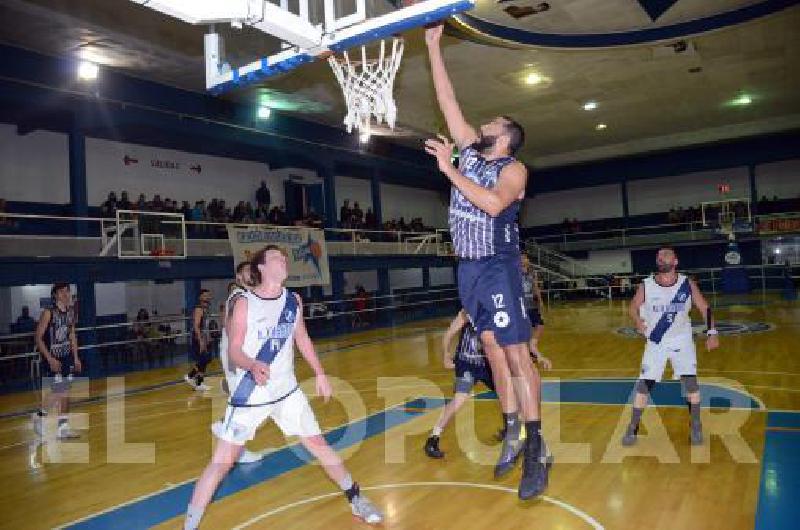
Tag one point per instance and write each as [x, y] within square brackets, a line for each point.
[666, 310]
[203, 323]
[56, 337]
[270, 332]
[475, 233]
[223, 341]
[527, 286]
[470, 350]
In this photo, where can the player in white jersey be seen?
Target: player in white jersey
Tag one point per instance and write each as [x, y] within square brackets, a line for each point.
[235, 290]
[265, 325]
[660, 308]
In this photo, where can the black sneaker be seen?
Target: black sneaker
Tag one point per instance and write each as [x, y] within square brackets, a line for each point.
[534, 474]
[432, 447]
[630, 436]
[509, 453]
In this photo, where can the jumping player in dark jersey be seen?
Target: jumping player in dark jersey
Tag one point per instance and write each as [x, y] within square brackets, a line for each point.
[199, 343]
[487, 190]
[56, 341]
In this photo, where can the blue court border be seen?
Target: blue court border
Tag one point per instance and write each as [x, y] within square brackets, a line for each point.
[169, 503]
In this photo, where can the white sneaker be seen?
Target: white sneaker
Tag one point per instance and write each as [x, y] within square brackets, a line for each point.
[36, 421]
[189, 381]
[249, 457]
[65, 433]
[362, 507]
[202, 387]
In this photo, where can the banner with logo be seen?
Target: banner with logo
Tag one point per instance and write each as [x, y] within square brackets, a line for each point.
[305, 247]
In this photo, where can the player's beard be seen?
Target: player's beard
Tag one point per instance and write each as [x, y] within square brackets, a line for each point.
[665, 268]
[485, 143]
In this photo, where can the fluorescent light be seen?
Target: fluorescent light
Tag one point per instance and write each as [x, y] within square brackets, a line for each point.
[533, 78]
[742, 100]
[87, 71]
[601, 127]
[363, 137]
[263, 112]
[590, 105]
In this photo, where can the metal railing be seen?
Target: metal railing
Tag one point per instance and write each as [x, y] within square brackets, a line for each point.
[26, 235]
[651, 234]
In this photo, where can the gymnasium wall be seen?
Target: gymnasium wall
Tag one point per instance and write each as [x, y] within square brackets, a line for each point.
[354, 190]
[597, 202]
[34, 167]
[661, 194]
[608, 262]
[779, 178]
[402, 201]
[175, 174]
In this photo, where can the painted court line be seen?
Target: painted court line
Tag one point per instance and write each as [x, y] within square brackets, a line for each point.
[494, 487]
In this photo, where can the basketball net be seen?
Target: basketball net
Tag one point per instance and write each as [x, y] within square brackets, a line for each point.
[367, 86]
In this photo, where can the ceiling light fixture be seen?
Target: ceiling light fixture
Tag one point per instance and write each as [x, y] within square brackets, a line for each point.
[88, 71]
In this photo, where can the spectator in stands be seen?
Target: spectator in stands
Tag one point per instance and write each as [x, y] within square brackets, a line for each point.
[25, 323]
[345, 215]
[357, 216]
[250, 212]
[186, 210]
[274, 216]
[141, 204]
[263, 197]
[369, 220]
[672, 216]
[140, 329]
[109, 207]
[5, 222]
[124, 203]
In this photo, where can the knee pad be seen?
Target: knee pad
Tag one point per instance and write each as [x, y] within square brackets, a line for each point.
[644, 386]
[464, 384]
[690, 384]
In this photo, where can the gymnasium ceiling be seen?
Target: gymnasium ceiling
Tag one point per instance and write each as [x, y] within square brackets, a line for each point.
[654, 94]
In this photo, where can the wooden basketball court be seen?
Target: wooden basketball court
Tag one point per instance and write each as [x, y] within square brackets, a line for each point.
[391, 386]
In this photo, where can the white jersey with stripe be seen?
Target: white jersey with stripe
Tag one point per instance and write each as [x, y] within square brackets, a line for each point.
[227, 366]
[671, 304]
[263, 315]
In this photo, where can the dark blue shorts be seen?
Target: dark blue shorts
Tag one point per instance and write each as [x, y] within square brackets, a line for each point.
[200, 358]
[61, 381]
[474, 374]
[491, 293]
[535, 316]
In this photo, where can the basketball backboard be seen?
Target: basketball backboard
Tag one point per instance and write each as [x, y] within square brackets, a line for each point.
[308, 29]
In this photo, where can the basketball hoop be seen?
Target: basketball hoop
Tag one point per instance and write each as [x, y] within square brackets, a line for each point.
[367, 86]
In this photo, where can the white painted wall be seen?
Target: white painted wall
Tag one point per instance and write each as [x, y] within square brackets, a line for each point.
[355, 190]
[779, 178]
[34, 167]
[402, 201]
[30, 295]
[608, 262]
[597, 202]
[405, 278]
[661, 194]
[223, 178]
[442, 276]
[369, 279]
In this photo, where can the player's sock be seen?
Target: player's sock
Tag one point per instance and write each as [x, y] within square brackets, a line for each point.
[193, 516]
[694, 412]
[350, 488]
[636, 417]
[512, 422]
[533, 429]
[437, 431]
